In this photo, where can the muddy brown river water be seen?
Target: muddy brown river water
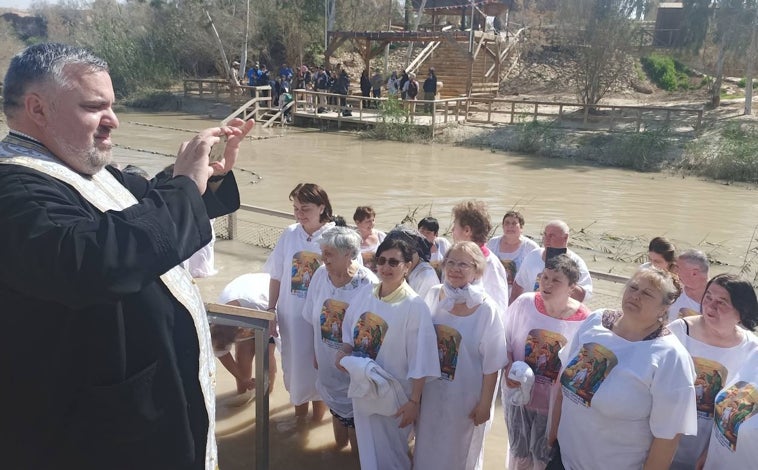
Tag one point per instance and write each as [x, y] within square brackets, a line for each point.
[613, 212]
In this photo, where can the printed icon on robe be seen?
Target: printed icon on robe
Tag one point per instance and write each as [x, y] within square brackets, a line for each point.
[368, 335]
[332, 315]
[586, 372]
[304, 264]
[448, 347]
[709, 379]
[541, 353]
[733, 406]
[510, 268]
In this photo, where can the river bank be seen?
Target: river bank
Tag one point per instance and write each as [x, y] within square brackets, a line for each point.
[725, 148]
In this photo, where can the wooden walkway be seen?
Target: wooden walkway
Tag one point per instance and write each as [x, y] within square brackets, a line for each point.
[311, 108]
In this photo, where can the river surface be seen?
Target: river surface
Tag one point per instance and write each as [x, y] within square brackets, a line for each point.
[613, 213]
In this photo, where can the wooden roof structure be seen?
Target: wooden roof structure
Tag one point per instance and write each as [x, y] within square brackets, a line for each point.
[461, 7]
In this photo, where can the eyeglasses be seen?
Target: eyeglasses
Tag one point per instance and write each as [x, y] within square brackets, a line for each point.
[381, 261]
[462, 265]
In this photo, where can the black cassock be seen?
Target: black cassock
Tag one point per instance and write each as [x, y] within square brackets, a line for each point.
[99, 361]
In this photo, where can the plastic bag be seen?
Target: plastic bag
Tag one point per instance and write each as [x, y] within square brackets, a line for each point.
[520, 372]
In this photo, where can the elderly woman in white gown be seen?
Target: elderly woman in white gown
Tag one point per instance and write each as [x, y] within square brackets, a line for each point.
[335, 286]
[627, 384]
[471, 348]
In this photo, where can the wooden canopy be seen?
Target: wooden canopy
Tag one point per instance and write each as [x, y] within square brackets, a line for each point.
[459, 7]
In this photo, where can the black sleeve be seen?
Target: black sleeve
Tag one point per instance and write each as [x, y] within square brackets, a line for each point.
[224, 201]
[56, 246]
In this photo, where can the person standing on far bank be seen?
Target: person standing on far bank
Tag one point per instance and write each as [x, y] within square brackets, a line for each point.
[430, 90]
[105, 339]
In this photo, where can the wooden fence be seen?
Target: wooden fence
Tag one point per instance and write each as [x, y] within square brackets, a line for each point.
[584, 116]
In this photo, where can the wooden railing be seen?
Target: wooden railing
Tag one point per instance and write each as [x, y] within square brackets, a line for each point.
[488, 110]
[201, 86]
[617, 117]
[255, 107]
[218, 87]
[366, 109]
[479, 109]
[425, 53]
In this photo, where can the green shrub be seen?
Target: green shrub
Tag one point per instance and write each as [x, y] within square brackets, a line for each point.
[534, 136]
[642, 151]
[395, 124]
[743, 82]
[733, 158]
[665, 72]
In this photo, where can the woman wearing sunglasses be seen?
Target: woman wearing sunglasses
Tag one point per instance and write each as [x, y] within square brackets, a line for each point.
[394, 328]
[471, 350]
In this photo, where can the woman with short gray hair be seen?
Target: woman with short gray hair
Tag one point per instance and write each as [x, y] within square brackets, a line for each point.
[340, 282]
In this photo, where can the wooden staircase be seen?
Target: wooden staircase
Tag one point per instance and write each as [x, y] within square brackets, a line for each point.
[451, 62]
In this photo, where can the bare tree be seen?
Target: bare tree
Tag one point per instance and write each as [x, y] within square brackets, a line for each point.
[600, 32]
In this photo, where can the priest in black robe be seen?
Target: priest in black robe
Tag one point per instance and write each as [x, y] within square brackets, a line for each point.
[105, 367]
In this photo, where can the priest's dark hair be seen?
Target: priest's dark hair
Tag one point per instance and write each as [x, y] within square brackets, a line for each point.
[40, 63]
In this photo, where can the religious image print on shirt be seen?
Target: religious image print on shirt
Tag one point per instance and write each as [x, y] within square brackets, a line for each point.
[510, 268]
[709, 379]
[586, 372]
[368, 335]
[332, 314]
[448, 346]
[304, 264]
[733, 406]
[537, 283]
[541, 353]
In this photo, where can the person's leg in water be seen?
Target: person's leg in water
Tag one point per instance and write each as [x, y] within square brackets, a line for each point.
[344, 432]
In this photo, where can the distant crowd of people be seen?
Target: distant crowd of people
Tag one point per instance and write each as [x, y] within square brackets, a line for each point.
[401, 84]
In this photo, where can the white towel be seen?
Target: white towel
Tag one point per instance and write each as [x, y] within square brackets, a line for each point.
[373, 389]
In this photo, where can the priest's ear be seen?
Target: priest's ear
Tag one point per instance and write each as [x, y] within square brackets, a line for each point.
[37, 107]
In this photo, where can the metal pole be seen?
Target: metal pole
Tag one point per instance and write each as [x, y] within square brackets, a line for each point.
[471, 34]
[243, 59]
[387, 47]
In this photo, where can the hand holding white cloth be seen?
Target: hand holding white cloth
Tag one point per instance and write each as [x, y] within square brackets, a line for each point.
[373, 389]
[520, 372]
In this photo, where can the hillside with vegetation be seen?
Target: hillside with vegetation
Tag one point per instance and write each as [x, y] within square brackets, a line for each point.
[586, 51]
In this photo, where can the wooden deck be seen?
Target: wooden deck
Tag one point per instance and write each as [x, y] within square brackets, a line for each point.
[324, 110]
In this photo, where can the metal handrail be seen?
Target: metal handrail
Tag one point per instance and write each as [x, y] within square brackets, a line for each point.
[259, 321]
